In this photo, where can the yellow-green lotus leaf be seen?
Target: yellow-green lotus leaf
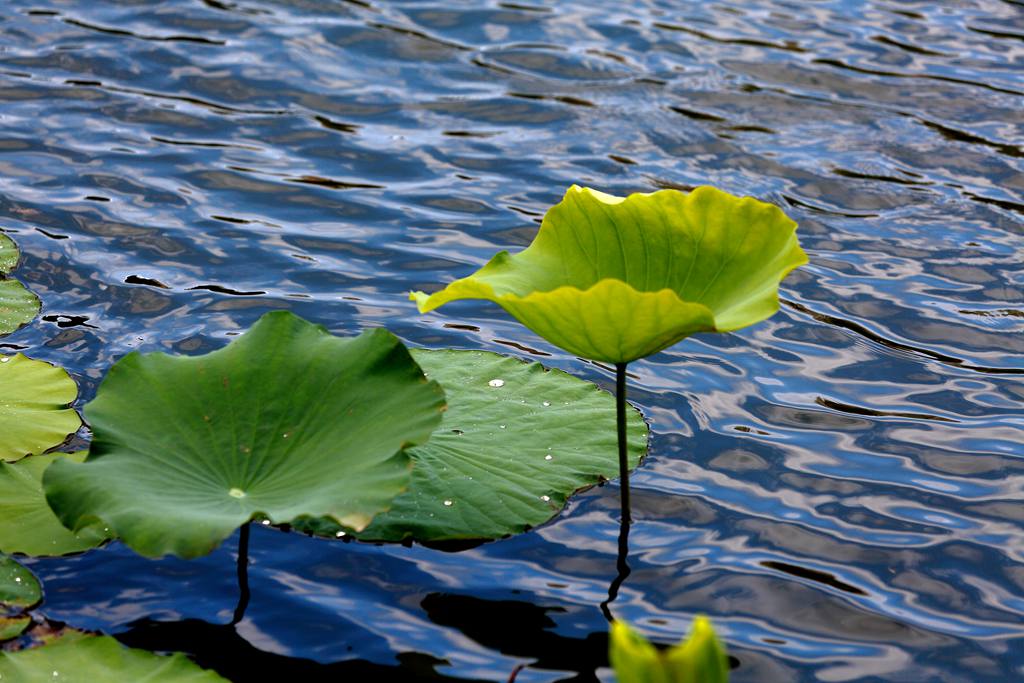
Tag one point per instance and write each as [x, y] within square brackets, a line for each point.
[615, 279]
[699, 659]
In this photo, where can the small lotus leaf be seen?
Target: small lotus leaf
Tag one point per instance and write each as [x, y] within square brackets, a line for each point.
[79, 658]
[516, 442]
[286, 421]
[27, 524]
[615, 279]
[9, 254]
[34, 412]
[12, 627]
[19, 589]
[698, 659]
[18, 306]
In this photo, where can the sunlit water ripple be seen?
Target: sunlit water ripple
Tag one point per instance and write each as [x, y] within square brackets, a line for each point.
[839, 488]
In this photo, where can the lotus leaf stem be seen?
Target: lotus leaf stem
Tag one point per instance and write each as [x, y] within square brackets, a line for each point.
[243, 575]
[620, 419]
[622, 571]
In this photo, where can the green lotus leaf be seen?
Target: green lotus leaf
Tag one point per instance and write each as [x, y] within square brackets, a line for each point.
[19, 589]
[615, 279]
[286, 421]
[9, 254]
[507, 457]
[79, 658]
[27, 524]
[34, 412]
[18, 306]
[12, 627]
[699, 659]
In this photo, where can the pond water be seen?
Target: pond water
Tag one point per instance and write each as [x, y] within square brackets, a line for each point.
[840, 488]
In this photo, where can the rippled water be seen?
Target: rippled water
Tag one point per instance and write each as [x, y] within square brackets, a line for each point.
[839, 488]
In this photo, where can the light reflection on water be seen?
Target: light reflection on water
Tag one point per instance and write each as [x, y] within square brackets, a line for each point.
[839, 488]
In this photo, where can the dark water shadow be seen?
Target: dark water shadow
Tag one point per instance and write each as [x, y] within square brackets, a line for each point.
[220, 648]
[520, 629]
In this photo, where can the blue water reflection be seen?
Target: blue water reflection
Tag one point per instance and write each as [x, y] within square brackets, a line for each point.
[839, 488]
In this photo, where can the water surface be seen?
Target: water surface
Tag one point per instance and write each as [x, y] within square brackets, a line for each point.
[839, 488]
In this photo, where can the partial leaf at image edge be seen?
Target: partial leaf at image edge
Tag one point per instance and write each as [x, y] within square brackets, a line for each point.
[18, 306]
[286, 421]
[27, 524]
[81, 658]
[9, 254]
[19, 588]
[700, 658]
[12, 627]
[19, 591]
[34, 413]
